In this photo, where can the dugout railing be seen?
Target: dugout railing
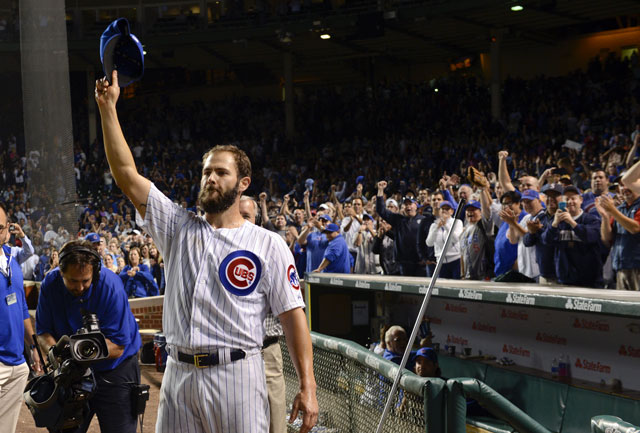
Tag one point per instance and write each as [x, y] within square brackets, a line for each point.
[353, 384]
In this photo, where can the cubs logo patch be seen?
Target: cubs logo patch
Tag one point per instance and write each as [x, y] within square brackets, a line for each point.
[292, 276]
[240, 272]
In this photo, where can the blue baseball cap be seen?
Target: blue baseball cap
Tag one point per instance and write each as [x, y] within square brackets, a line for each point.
[325, 217]
[429, 353]
[308, 184]
[473, 203]
[530, 194]
[121, 51]
[359, 179]
[445, 203]
[94, 238]
[366, 216]
[331, 227]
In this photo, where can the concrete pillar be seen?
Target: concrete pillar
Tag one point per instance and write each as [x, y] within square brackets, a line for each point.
[91, 103]
[288, 96]
[496, 95]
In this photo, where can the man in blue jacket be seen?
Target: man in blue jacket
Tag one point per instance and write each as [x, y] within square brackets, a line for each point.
[81, 284]
[576, 236]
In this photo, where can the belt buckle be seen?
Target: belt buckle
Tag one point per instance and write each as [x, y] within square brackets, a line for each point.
[197, 357]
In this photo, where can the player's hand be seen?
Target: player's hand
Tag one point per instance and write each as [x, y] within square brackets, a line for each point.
[306, 403]
[107, 94]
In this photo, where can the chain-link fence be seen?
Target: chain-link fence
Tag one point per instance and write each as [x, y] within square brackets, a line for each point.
[353, 385]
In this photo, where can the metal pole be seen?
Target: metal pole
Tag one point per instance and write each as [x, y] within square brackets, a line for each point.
[416, 326]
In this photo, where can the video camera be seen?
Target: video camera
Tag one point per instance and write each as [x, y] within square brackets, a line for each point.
[59, 399]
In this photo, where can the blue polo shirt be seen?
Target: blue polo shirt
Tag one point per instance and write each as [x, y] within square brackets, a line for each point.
[13, 312]
[316, 245]
[59, 313]
[337, 253]
[506, 253]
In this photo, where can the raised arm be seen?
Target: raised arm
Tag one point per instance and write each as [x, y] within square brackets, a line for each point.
[121, 163]
[503, 172]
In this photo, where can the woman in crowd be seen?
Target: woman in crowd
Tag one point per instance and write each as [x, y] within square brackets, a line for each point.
[137, 278]
[109, 264]
[144, 255]
[157, 267]
[53, 261]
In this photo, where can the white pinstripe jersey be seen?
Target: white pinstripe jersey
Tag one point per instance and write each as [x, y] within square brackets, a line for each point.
[220, 282]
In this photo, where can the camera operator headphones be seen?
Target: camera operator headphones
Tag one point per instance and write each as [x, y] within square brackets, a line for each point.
[70, 249]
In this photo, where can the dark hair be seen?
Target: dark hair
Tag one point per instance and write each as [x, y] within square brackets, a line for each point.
[243, 164]
[513, 196]
[78, 253]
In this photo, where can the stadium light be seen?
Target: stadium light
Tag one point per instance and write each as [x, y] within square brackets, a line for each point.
[325, 36]
[516, 8]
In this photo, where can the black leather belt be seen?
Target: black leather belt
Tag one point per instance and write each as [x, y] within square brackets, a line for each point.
[202, 360]
[269, 341]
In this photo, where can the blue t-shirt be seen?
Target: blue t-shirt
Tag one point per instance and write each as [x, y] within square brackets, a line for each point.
[13, 312]
[506, 253]
[59, 313]
[338, 254]
[316, 245]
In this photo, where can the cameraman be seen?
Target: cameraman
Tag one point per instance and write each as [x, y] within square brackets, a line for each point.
[64, 294]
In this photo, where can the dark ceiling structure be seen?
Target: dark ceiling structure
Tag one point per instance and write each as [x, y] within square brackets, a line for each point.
[362, 32]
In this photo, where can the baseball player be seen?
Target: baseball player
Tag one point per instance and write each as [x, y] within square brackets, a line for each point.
[223, 274]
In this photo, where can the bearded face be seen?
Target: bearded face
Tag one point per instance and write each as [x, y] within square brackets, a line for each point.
[214, 200]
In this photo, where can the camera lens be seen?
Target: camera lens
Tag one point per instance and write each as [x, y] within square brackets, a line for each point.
[87, 350]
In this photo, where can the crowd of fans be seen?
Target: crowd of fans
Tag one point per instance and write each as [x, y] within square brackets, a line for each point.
[376, 175]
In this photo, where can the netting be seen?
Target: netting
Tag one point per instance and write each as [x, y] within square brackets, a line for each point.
[352, 394]
[47, 111]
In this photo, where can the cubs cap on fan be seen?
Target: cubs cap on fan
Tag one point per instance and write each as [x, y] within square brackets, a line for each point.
[445, 203]
[429, 353]
[325, 217]
[530, 194]
[122, 51]
[331, 227]
[473, 203]
[94, 238]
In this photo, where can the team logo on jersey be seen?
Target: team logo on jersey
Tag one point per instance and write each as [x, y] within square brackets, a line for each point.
[240, 272]
[292, 276]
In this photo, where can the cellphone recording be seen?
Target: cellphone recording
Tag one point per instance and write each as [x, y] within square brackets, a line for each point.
[562, 206]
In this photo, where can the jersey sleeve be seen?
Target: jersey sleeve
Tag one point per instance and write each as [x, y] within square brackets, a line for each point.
[284, 292]
[162, 218]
